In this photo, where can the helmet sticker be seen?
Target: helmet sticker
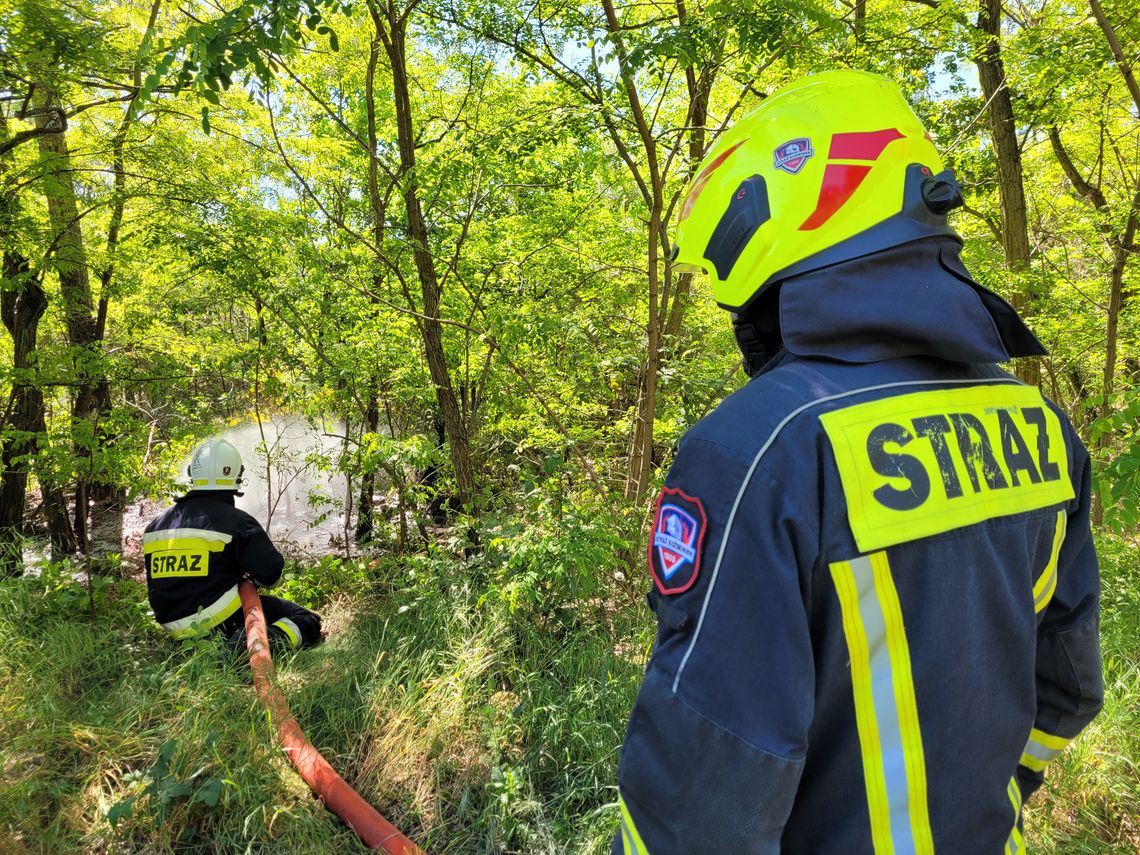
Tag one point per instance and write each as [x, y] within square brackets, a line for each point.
[792, 155]
[675, 543]
[225, 470]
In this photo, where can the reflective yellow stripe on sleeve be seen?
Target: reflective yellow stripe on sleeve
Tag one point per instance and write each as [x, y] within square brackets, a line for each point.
[1041, 748]
[1016, 842]
[630, 838]
[1047, 582]
[886, 714]
[206, 617]
[290, 629]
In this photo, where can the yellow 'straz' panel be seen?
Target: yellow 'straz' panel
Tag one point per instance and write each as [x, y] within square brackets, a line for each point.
[919, 464]
[182, 551]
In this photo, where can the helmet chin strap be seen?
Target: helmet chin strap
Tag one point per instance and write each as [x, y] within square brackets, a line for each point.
[757, 331]
[751, 344]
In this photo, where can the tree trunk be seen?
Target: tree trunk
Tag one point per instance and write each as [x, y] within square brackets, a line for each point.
[1117, 52]
[641, 445]
[699, 87]
[641, 439]
[365, 514]
[1123, 247]
[1011, 187]
[431, 330]
[22, 304]
[84, 323]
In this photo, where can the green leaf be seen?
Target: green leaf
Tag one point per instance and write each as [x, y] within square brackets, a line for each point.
[206, 120]
[120, 811]
[209, 793]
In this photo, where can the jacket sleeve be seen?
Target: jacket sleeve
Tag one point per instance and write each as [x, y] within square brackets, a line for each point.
[259, 558]
[715, 745]
[1070, 688]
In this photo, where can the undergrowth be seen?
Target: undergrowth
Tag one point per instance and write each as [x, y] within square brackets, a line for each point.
[478, 723]
[1090, 803]
[469, 726]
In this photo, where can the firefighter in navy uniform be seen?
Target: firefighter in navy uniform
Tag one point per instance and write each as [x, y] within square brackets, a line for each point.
[872, 569]
[198, 551]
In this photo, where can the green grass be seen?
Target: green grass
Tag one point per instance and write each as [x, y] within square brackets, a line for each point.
[470, 730]
[1091, 799]
[475, 729]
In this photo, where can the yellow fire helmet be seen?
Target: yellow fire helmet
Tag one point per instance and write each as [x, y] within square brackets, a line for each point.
[832, 167]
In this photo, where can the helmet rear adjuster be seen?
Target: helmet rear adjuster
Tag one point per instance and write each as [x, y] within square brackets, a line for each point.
[923, 196]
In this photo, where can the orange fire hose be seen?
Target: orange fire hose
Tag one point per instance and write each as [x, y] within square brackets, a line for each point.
[338, 796]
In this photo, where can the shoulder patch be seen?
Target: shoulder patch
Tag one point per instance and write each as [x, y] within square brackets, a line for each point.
[675, 541]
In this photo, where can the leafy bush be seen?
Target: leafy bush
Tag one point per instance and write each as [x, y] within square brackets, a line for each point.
[1119, 476]
[558, 553]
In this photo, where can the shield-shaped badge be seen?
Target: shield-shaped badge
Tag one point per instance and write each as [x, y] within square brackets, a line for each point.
[675, 542]
[792, 155]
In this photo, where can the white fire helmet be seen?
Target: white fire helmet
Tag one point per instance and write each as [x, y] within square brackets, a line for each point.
[215, 465]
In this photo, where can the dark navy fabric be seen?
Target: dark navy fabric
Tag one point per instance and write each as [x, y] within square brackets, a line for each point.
[274, 609]
[250, 553]
[854, 313]
[743, 738]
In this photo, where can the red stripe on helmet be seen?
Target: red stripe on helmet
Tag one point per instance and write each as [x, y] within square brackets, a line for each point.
[703, 179]
[840, 181]
[863, 145]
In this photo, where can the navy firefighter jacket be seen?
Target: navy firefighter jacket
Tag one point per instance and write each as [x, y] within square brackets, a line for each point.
[875, 586]
[196, 553]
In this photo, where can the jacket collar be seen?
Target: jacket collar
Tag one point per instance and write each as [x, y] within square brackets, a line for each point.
[226, 496]
[917, 299]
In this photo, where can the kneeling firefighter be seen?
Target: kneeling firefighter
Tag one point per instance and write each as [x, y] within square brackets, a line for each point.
[872, 567]
[198, 551]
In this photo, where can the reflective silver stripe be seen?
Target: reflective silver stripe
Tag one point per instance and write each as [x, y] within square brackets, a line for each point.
[886, 708]
[990, 381]
[179, 533]
[886, 713]
[630, 837]
[1041, 748]
[1043, 598]
[1041, 752]
[206, 617]
[290, 629]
